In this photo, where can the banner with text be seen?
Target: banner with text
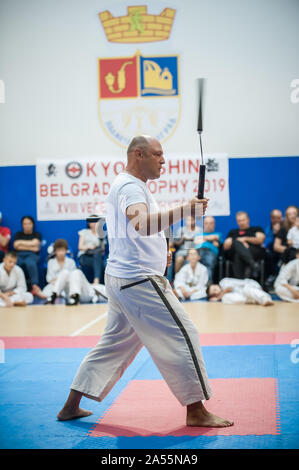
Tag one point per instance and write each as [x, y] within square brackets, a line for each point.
[74, 189]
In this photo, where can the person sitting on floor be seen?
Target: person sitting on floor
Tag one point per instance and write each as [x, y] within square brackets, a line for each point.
[238, 291]
[192, 279]
[13, 289]
[183, 240]
[76, 288]
[59, 266]
[287, 282]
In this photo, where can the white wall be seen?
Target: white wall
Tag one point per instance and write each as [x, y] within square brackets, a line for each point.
[247, 49]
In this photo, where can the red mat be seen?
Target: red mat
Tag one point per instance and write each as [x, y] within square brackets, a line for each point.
[148, 408]
[206, 339]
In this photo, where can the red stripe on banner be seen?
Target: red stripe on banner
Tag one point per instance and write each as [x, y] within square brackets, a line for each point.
[206, 339]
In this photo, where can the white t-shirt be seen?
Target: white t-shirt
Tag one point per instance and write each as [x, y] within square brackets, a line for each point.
[130, 254]
[293, 235]
[89, 238]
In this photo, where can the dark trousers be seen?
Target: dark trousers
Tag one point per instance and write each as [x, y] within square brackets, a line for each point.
[28, 261]
[94, 262]
[243, 258]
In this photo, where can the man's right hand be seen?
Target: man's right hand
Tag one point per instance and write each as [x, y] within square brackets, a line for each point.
[195, 201]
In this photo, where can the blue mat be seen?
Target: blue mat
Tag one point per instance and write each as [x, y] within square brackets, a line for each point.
[35, 382]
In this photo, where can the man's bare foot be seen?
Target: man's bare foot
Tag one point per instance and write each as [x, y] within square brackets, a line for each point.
[269, 302]
[202, 417]
[66, 414]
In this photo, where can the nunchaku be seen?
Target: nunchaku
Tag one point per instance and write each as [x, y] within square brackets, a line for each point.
[202, 167]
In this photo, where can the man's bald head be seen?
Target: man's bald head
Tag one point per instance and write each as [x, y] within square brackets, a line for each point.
[145, 157]
[139, 142]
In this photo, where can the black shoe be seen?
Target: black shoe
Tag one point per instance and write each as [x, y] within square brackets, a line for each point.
[51, 299]
[255, 271]
[73, 300]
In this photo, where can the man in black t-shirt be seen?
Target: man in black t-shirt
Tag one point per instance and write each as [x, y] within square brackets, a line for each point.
[243, 246]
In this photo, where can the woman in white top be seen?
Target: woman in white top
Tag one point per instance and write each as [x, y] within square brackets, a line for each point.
[91, 251]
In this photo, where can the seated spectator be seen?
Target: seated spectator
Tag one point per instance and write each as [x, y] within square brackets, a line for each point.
[272, 258]
[27, 245]
[76, 288]
[91, 251]
[183, 240]
[13, 289]
[192, 279]
[287, 282]
[208, 244]
[238, 291]
[293, 234]
[58, 266]
[5, 235]
[243, 246]
[280, 245]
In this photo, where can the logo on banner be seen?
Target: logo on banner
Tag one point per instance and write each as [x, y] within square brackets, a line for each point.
[73, 170]
[139, 95]
[137, 25]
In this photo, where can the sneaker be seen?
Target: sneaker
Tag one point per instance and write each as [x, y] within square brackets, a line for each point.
[51, 299]
[73, 300]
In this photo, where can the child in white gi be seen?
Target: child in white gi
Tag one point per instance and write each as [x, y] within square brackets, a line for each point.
[68, 281]
[58, 269]
[192, 279]
[238, 291]
[287, 282]
[293, 235]
[13, 289]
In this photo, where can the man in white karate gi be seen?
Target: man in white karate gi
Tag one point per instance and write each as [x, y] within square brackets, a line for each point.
[191, 280]
[13, 289]
[143, 310]
[238, 291]
[286, 284]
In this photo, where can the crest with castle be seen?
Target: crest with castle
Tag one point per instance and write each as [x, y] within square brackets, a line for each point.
[137, 25]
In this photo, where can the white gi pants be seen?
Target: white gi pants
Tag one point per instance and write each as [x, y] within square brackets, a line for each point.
[20, 297]
[145, 311]
[69, 283]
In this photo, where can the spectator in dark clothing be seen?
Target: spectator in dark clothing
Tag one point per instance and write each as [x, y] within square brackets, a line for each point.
[27, 245]
[272, 257]
[280, 245]
[243, 246]
[5, 236]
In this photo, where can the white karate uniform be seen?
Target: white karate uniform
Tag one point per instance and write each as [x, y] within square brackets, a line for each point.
[244, 291]
[14, 281]
[55, 271]
[74, 282]
[190, 280]
[288, 274]
[142, 309]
